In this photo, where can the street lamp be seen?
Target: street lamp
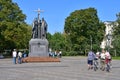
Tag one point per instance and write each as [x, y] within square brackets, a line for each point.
[109, 37]
[91, 41]
[70, 42]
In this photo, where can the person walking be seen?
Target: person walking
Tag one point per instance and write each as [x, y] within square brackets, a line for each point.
[19, 57]
[14, 55]
[24, 55]
[60, 54]
[91, 56]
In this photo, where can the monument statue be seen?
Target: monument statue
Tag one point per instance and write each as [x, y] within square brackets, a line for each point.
[35, 29]
[43, 29]
[38, 45]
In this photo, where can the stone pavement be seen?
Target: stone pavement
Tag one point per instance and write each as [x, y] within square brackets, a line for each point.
[70, 68]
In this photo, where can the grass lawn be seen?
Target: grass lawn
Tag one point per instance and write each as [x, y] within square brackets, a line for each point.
[116, 58]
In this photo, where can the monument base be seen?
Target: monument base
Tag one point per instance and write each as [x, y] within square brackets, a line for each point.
[40, 59]
[38, 48]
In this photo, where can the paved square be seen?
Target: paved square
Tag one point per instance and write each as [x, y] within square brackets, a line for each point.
[70, 68]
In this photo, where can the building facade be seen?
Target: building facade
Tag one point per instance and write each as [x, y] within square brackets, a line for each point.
[108, 36]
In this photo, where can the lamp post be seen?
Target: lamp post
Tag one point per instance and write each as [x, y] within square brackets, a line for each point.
[109, 37]
[70, 41]
[91, 41]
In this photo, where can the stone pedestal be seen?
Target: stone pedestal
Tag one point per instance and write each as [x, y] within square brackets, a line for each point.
[40, 59]
[38, 48]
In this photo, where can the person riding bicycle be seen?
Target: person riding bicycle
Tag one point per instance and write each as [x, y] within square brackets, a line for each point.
[91, 56]
[97, 54]
[102, 60]
[96, 59]
[107, 60]
[107, 56]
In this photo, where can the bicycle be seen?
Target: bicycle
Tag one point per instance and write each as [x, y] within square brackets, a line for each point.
[102, 64]
[95, 63]
[108, 65]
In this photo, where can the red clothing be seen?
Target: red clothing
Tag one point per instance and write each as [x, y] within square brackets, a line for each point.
[107, 60]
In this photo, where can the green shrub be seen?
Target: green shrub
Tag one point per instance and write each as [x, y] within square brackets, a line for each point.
[70, 53]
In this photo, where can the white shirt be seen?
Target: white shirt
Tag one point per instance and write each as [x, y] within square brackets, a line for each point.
[20, 54]
[102, 55]
[97, 54]
[14, 54]
[60, 52]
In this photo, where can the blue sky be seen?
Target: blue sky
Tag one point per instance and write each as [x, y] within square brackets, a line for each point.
[55, 11]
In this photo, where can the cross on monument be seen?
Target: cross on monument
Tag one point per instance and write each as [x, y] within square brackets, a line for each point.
[39, 23]
[39, 12]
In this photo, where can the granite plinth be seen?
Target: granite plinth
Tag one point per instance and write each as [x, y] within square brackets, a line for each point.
[38, 48]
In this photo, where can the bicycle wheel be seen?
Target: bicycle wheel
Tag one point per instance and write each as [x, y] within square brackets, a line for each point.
[95, 66]
[108, 67]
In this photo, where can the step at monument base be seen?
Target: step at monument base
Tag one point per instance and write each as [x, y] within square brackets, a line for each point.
[40, 59]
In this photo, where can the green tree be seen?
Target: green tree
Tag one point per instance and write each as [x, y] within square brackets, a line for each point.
[49, 37]
[116, 35]
[82, 26]
[14, 31]
[56, 41]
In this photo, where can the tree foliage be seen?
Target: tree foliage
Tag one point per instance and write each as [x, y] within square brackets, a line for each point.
[116, 35]
[82, 26]
[56, 41]
[15, 33]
